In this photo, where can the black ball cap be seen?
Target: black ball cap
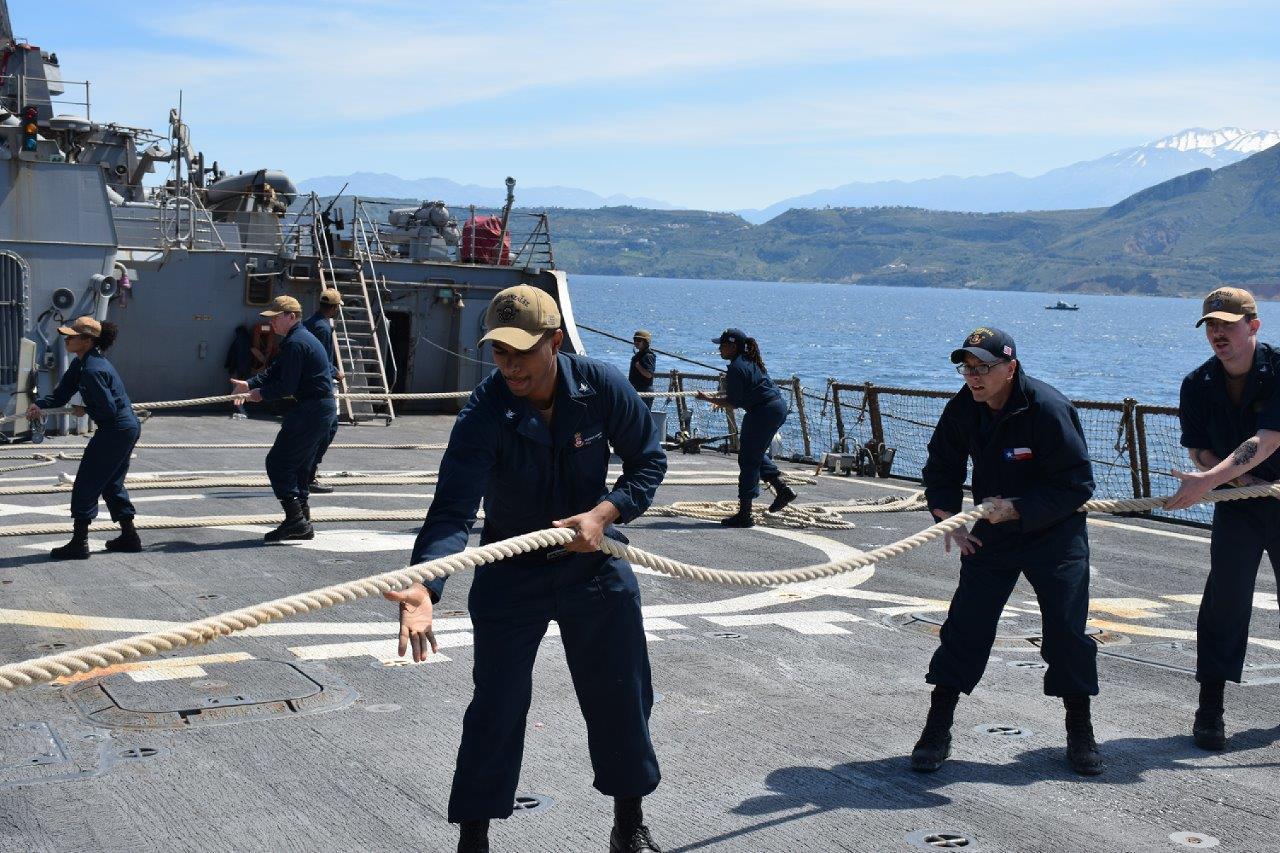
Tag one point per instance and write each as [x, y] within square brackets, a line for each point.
[987, 345]
[731, 336]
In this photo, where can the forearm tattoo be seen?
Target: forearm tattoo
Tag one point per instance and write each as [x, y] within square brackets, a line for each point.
[1244, 454]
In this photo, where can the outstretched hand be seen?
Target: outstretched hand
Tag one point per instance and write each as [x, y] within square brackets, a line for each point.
[1193, 487]
[415, 621]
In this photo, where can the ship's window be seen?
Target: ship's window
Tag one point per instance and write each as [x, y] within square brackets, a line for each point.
[13, 316]
[257, 289]
[301, 271]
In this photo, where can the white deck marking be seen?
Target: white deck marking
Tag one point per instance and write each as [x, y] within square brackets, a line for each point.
[1171, 633]
[817, 622]
[1128, 608]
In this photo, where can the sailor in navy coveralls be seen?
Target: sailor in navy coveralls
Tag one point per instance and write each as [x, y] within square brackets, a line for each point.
[1230, 411]
[533, 443]
[106, 458]
[747, 386]
[320, 324]
[1029, 458]
[300, 370]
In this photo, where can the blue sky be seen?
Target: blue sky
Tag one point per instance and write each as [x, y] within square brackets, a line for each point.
[718, 105]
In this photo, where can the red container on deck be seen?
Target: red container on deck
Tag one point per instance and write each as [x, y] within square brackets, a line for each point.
[480, 241]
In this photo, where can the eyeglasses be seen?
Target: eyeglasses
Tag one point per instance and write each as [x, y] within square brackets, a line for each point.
[978, 369]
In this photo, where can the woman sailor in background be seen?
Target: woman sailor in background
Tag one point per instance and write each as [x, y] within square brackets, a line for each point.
[747, 386]
[106, 458]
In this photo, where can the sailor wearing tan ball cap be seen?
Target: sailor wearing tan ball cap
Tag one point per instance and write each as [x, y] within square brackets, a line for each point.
[320, 324]
[533, 444]
[1230, 412]
[106, 458]
[300, 370]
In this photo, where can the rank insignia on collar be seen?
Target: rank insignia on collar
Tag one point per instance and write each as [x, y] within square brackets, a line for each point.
[577, 439]
[584, 387]
[510, 414]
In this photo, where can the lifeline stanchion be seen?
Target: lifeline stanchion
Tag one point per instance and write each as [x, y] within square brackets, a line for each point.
[50, 667]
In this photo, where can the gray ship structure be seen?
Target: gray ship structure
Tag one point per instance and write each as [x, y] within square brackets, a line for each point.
[90, 224]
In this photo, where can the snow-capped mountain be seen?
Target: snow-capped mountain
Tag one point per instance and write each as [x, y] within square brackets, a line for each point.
[1090, 183]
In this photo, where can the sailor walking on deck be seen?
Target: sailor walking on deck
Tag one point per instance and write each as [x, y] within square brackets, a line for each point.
[301, 370]
[533, 442]
[320, 324]
[1029, 459]
[643, 364]
[747, 386]
[106, 457]
[1230, 412]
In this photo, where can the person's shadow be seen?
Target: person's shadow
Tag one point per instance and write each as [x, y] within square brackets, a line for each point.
[884, 784]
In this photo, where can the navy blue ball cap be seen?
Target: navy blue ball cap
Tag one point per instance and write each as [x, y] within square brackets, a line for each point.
[987, 345]
[731, 336]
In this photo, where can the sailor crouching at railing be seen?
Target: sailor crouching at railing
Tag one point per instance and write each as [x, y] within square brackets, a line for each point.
[1029, 459]
[106, 457]
[301, 370]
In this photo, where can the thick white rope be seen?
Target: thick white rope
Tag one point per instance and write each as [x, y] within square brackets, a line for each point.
[51, 667]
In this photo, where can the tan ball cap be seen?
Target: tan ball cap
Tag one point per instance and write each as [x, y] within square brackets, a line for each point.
[82, 326]
[282, 305]
[330, 297]
[519, 316]
[643, 334]
[1229, 304]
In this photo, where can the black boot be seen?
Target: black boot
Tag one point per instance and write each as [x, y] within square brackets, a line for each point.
[78, 547]
[306, 509]
[128, 541]
[473, 836]
[934, 746]
[629, 834]
[319, 488]
[782, 494]
[1082, 749]
[294, 526]
[741, 518]
[1209, 731]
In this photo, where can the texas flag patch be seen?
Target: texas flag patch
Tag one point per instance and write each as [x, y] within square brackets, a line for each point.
[1018, 454]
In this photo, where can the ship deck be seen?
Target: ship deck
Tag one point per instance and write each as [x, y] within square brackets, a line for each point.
[784, 721]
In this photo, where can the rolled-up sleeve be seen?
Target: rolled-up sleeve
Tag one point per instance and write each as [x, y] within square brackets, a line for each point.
[1193, 414]
[637, 442]
[464, 476]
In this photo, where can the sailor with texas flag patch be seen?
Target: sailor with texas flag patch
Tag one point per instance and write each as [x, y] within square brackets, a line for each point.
[1030, 460]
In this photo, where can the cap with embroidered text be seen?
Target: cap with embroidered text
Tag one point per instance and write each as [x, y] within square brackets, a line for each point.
[986, 345]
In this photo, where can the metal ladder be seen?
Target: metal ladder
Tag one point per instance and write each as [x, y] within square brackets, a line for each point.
[357, 326]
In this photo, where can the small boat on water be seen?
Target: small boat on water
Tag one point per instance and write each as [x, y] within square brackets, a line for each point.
[1062, 306]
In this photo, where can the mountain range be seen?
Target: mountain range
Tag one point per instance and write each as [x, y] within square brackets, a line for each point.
[1090, 183]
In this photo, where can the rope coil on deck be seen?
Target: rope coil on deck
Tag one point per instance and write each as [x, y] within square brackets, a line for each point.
[51, 667]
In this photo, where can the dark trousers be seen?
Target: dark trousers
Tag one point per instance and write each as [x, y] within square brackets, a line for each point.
[1062, 590]
[101, 473]
[759, 426]
[1242, 531]
[597, 606]
[292, 454]
[324, 444]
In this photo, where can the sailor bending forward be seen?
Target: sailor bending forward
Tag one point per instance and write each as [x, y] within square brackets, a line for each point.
[1030, 460]
[301, 370]
[533, 442]
[106, 458]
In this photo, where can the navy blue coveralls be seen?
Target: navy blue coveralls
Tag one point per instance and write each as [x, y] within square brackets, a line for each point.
[1032, 452]
[1242, 530]
[319, 326]
[302, 370]
[530, 474]
[649, 362]
[748, 387]
[106, 458]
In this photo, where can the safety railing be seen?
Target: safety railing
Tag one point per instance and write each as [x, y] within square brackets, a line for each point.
[1133, 448]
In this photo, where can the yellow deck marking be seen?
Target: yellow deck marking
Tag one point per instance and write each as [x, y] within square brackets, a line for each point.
[1171, 633]
[1128, 608]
